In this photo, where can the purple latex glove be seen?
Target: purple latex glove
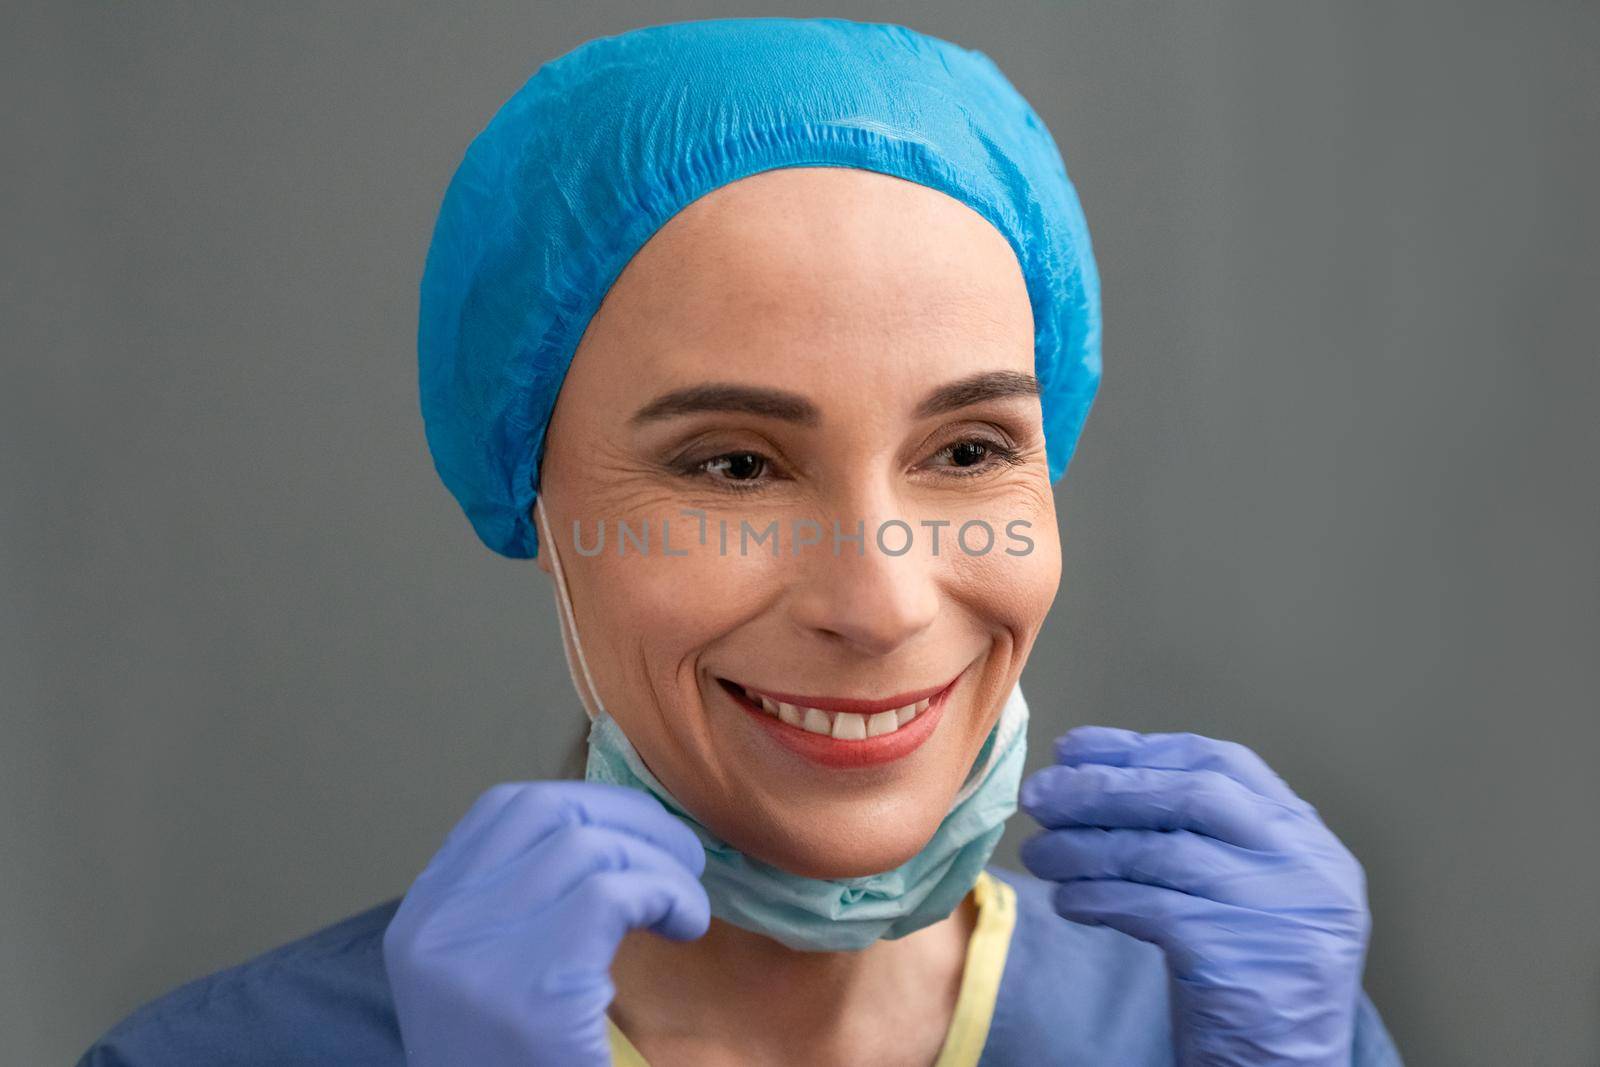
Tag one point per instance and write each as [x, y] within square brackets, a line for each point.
[1197, 846]
[500, 953]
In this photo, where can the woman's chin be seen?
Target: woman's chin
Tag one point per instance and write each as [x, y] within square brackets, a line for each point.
[846, 854]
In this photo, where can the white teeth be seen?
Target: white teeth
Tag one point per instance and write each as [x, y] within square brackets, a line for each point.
[848, 726]
[844, 725]
[922, 705]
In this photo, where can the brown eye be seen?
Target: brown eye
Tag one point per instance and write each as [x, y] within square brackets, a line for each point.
[737, 466]
[974, 457]
[968, 453]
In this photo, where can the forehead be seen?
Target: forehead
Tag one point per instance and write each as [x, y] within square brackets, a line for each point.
[799, 271]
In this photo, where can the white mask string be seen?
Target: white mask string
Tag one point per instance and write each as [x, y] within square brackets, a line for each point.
[569, 624]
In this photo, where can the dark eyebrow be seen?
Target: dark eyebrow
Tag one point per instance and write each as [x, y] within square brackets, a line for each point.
[989, 385]
[792, 407]
[768, 403]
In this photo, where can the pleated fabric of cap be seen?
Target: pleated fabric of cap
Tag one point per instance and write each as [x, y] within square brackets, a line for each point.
[603, 145]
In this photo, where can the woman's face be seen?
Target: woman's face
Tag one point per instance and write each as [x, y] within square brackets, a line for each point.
[808, 347]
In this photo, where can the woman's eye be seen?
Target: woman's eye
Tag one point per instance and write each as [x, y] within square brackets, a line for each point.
[974, 455]
[734, 466]
[968, 453]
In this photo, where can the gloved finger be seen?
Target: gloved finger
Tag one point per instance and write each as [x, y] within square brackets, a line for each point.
[480, 814]
[670, 903]
[1173, 859]
[1143, 798]
[538, 878]
[584, 928]
[1174, 751]
[1174, 921]
[538, 809]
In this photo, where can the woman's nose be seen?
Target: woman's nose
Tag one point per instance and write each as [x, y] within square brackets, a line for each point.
[869, 599]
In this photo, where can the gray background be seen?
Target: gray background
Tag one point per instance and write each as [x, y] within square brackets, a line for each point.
[1337, 501]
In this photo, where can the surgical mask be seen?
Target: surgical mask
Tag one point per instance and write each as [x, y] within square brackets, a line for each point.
[821, 914]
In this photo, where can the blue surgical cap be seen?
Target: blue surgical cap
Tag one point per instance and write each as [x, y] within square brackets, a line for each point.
[602, 145]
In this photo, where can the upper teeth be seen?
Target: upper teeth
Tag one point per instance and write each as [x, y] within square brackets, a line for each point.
[845, 725]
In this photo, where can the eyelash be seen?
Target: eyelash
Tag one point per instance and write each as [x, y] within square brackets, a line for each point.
[999, 452]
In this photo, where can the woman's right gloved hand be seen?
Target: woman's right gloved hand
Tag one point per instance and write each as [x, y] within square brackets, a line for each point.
[500, 953]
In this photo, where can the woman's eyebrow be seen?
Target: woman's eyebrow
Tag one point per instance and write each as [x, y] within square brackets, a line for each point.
[770, 403]
[986, 385]
[792, 407]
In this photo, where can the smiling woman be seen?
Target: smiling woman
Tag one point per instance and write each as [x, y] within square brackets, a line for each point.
[885, 331]
[825, 277]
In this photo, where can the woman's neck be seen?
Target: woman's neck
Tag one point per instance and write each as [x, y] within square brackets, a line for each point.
[743, 997]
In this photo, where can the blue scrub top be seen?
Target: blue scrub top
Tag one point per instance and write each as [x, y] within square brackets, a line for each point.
[1069, 994]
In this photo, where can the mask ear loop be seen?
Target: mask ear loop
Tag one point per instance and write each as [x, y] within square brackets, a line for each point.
[1013, 721]
[569, 625]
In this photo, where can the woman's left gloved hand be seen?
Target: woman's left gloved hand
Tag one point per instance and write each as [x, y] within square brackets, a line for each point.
[1197, 846]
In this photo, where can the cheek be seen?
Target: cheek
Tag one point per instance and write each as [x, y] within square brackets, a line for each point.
[662, 610]
[1013, 584]
[662, 613]
[1010, 593]
[1036, 571]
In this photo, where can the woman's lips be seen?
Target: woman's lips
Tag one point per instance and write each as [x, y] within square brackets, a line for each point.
[845, 732]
